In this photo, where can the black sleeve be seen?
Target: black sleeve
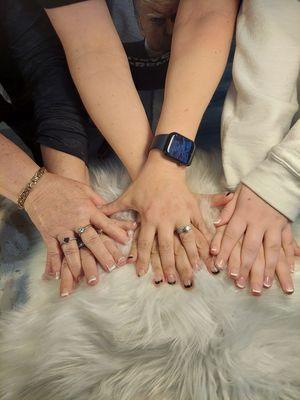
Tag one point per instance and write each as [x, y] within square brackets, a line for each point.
[57, 3]
[61, 121]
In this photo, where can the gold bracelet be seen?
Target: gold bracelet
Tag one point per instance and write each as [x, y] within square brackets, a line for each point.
[27, 189]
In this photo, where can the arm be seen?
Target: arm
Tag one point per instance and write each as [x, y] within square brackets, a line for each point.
[100, 70]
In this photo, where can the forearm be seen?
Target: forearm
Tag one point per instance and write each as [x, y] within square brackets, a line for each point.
[200, 48]
[65, 165]
[16, 169]
[100, 70]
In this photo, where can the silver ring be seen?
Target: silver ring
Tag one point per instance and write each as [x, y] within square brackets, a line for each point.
[184, 229]
[82, 229]
[66, 240]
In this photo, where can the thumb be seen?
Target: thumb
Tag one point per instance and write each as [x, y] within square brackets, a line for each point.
[225, 214]
[115, 206]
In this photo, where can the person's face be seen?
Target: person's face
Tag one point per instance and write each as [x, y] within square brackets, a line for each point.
[156, 22]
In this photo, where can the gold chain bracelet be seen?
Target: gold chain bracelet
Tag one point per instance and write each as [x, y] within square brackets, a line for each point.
[27, 189]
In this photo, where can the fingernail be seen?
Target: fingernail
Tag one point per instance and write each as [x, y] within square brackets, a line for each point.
[267, 282]
[220, 264]
[227, 194]
[130, 233]
[256, 290]
[215, 270]
[197, 266]
[111, 268]
[188, 284]
[171, 280]
[213, 250]
[240, 283]
[92, 280]
[64, 294]
[130, 256]
[134, 224]
[141, 273]
[289, 290]
[292, 268]
[217, 221]
[122, 261]
[57, 275]
[233, 274]
[158, 281]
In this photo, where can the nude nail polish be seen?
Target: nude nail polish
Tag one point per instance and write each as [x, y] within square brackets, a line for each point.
[267, 282]
[111, 267]
[240, 283]
[92, 280]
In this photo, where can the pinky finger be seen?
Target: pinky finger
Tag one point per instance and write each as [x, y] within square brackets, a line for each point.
[288, 246]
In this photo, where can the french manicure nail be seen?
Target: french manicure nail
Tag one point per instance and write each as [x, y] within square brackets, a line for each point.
[220, 264]
[240, 283]
[267, 282]
[217, 221]
[256, 291]
[215, 270]
[233, 274]
[213, 250]
[289, 290]
[64, 294]
[92, 279]
[188, 284]
[111, 267]
[57, 275]
[171, 280]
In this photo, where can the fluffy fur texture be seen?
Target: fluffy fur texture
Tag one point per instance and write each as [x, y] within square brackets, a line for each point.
[128, 340]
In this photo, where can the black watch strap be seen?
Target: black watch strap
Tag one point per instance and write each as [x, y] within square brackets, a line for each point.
[159, 142]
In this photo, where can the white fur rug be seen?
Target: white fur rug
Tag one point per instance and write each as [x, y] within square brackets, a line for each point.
[128, 340]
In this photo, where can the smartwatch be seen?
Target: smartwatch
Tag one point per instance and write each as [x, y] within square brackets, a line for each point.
[176, 147]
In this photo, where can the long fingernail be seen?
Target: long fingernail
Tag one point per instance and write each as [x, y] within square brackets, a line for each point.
[92, 280]
[111, 267]
[64, 294]
[267, 282]
[289, 290]
[215, 270]
[57, 276]
[241, 282]
[122, 261]
[188, 284]
[217, 221]
[171, 279]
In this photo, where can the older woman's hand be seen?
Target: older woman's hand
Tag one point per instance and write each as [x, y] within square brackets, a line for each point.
[59, 207]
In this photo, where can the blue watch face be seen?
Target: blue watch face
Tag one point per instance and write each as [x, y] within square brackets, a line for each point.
[180, 148]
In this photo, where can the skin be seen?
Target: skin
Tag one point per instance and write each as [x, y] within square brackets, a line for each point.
[251, 233]
[156, 21]
[56, 205]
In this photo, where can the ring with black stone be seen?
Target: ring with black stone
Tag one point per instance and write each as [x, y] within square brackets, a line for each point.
[67, 240]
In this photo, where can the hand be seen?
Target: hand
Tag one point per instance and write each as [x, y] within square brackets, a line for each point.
[256, 222]
[58, 207]
[164, 202]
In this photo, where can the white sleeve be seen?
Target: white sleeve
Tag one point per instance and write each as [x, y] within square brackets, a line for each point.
[258, 146]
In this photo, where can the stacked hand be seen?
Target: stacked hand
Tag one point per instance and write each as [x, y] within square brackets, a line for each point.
[255, 241]
[59, 207]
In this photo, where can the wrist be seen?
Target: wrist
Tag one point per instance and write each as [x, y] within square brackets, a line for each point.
[158, 161]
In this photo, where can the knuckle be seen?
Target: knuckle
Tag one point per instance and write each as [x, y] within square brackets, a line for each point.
[70, 251]
[274, 247]
[165, 247]
[144, 244]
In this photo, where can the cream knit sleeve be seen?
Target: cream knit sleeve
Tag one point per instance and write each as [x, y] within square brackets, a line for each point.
[259, 146]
